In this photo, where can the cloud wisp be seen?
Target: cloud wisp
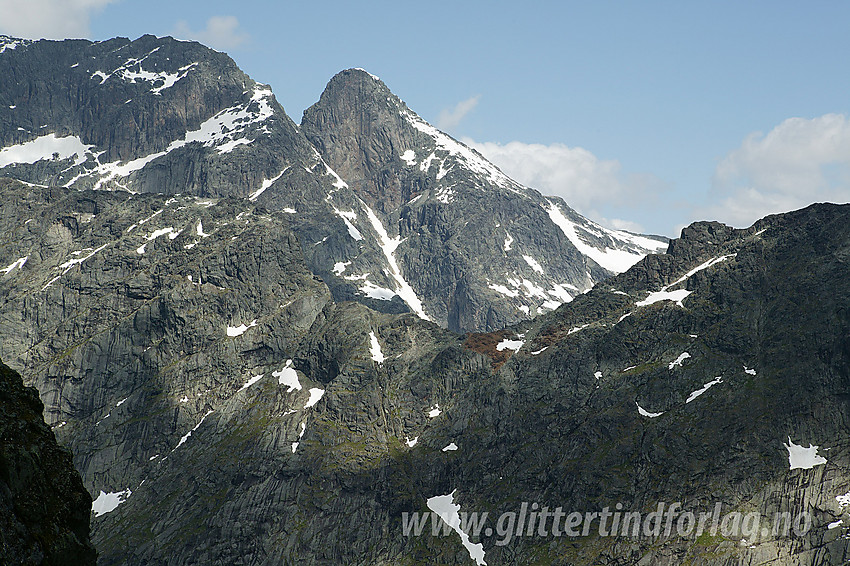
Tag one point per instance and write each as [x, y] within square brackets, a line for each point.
[595, 187]
[49, 19]
[221, 32]
[799, 162]
[450, 118]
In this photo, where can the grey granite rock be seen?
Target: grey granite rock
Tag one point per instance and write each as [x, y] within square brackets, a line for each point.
[199, 356]
[443, 233]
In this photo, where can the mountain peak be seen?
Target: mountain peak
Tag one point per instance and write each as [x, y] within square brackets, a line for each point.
[357, 83]
[358, 125]
[360, 70]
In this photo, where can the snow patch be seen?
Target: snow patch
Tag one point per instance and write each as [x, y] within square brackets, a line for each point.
[338, 182]
[168, 80]
[433, 411]
[678, 361]
[300, 436]
[266, 184]
[44, 148]
[219, 132]
[803, 458]
[9, 43]
[68, 265]
[701, 267]
[533, 263]
[233, 331]
[288, 376]
[251, 382]
[679, 295]
[375, 349]
[470, 159]
[409, 157]
[504, 290]
[444, 194]
[315, 394]
[156, 234]
[615, 260]
[508, 241]
[644, 413]
[514, 345]
[560, 292]
[388, 246]
[450, 448]
[18, 263]
[186, 436]
[132, 71]
[108, 502]
[411, 442]
[347, 216]
[339, 267]
[444, 506]
[703, 389]
[375, 292]
[676, 296]
[200, 230]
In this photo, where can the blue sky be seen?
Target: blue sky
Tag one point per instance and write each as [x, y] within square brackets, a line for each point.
[643, 115]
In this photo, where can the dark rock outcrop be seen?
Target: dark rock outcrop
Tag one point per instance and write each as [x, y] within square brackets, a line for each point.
[44, 508]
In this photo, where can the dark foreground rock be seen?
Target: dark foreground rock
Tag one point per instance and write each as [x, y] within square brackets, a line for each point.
[44, 508]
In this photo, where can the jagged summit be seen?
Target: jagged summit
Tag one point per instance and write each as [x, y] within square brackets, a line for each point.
[389, 210]
[357, 126]
[227, 404]
[447, 198]
[364, 130]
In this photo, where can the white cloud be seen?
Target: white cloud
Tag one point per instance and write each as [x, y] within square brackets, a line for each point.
[587, 183]
[50, 19]
[222, 32]
[627, 225]
[799, 162]
[449, 119]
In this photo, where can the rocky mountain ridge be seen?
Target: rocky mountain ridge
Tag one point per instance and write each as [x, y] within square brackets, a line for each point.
[224, 406]
[225, 409]
[390, 212]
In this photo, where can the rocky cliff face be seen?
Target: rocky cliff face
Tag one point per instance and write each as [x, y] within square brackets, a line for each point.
[44, 508]
[483, 250]
[224, 409]
[389, 211]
